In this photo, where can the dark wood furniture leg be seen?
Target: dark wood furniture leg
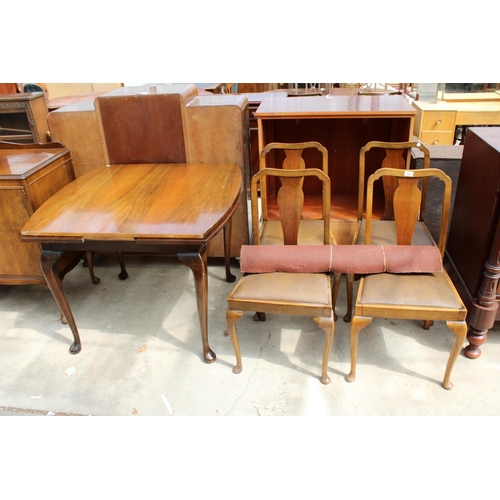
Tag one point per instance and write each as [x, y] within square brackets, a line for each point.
[197, 262]
[48, 263]
[89, 257]
[90, 263]
[483, 315]
[230, 278]
[123, 271]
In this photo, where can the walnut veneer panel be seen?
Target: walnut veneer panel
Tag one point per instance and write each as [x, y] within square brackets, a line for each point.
[17, 260]
[45, 183]
[75, 126]
[217, 132]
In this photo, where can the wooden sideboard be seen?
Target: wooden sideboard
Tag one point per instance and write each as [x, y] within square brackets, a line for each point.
[436, 121]
[214, 129]
[473, 248]
[343, 124]
[29, 175]
[23, 118]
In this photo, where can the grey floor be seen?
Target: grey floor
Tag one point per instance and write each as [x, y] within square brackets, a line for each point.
[142, 356]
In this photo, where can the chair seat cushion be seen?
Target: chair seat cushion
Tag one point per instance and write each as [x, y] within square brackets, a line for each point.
[285, 287]
[384, 233]
[422, 290]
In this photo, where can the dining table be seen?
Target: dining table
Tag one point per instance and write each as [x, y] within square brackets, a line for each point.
[165, 209]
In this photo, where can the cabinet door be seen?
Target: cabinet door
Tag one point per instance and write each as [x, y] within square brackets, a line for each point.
[18, 260]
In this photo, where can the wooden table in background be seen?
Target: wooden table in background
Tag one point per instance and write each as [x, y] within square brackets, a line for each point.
[60, 102]
[167, 209]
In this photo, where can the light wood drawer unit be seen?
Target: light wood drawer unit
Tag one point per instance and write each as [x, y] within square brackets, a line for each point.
[435, 126]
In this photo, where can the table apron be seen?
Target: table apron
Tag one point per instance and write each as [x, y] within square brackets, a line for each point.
[152, 246]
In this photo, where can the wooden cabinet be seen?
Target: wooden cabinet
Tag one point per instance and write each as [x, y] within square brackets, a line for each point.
[29, 175]
[343, 124]
[23, 118]
[473, 248]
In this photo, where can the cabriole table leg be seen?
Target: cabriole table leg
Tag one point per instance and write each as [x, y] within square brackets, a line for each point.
[197, 262]
[48, 264]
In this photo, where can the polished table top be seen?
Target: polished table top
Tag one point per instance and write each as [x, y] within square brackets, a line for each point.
[184, 202]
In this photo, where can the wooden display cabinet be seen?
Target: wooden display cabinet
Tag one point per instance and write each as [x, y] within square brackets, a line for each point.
[29, 175]
[23, 118]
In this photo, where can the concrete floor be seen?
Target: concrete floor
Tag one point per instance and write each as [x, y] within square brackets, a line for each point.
[142, 355]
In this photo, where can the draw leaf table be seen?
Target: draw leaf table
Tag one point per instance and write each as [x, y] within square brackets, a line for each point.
[167, 209]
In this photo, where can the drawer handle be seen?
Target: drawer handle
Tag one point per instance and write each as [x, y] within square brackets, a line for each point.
[438, 122]
[436, 141]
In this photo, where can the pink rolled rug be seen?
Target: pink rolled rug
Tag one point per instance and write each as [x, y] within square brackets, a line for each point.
[351, 259]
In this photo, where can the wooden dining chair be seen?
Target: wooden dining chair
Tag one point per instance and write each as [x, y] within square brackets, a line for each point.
[310, 232]
[390, 155]
[303, 294]
[426, 296]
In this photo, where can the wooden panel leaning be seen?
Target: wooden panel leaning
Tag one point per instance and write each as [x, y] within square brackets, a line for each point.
[139, 128]
[303, 294]
[426, 296]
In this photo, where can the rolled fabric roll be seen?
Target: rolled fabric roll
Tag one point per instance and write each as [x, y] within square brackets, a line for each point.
[351, 259]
